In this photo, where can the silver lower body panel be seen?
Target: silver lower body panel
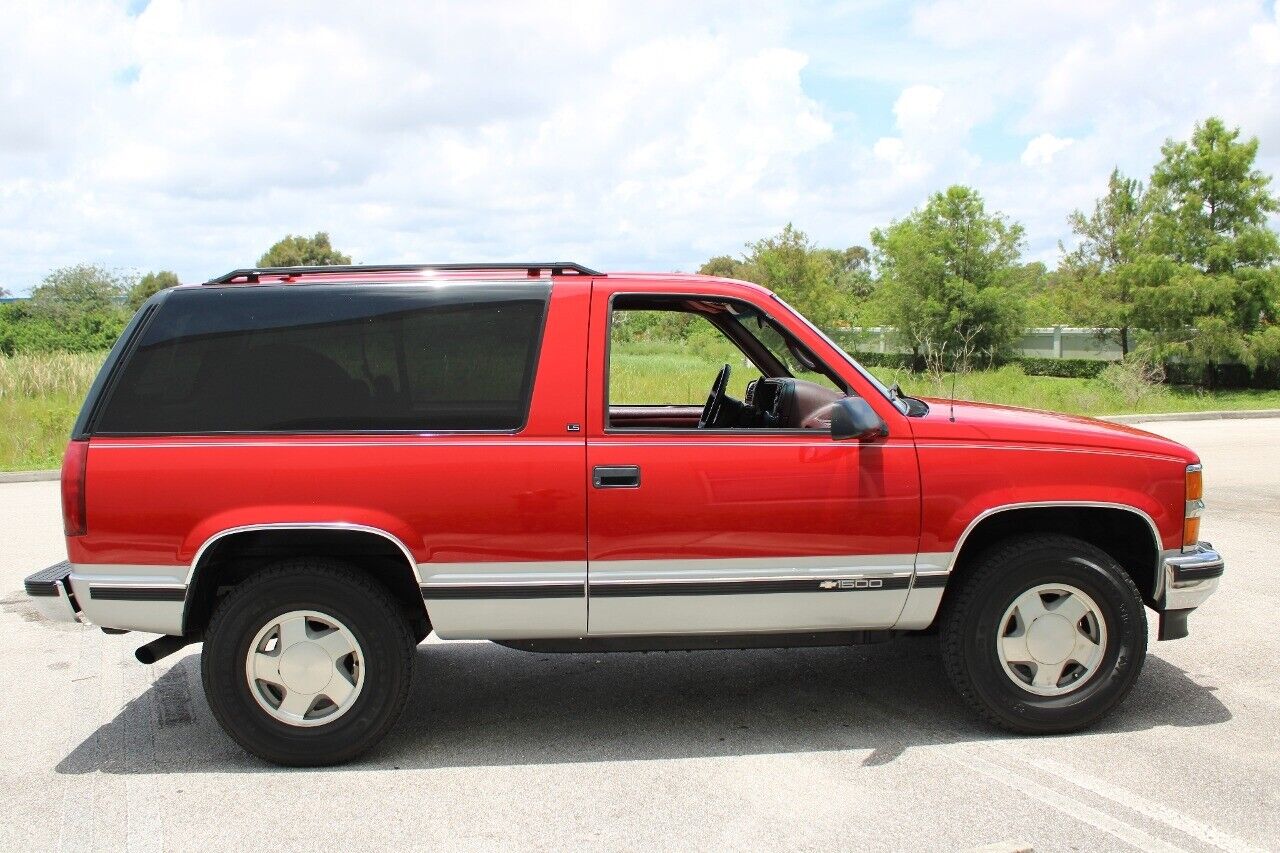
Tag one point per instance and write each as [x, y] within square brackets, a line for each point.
[150, 599]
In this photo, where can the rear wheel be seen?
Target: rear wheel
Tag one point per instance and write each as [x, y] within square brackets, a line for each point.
[1044, 634]
[307, 663]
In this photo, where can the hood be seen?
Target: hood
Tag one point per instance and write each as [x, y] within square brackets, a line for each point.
[988, 422]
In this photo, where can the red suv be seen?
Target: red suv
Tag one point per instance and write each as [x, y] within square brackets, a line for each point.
[310, 469]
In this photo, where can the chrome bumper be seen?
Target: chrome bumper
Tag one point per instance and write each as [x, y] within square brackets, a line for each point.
[51, 594]
[1190, 577]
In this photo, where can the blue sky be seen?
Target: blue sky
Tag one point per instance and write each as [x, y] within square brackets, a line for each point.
[189, 136]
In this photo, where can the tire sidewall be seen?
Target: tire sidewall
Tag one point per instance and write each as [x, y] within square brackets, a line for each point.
[1094, 574]
[226, 648]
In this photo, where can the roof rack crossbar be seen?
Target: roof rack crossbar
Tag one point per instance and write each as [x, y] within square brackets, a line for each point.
[251, 274]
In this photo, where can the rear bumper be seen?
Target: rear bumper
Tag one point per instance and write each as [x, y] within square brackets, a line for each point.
[50, 592]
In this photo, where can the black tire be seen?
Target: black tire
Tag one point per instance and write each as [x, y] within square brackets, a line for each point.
[355, 600]
[971, 625]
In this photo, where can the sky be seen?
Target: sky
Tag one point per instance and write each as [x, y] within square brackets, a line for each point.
[627, 136]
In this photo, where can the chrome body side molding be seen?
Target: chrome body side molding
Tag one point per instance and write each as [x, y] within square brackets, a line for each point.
[987, 513]
[303, 525]
[747, 595]
[505, 600]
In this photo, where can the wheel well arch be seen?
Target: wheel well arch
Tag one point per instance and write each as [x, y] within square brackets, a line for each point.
[1125, 532]
[230, 556]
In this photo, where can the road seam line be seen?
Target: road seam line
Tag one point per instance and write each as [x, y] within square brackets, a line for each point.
[1136, 802]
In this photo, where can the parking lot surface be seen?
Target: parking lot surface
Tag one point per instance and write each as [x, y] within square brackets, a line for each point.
[860, 748]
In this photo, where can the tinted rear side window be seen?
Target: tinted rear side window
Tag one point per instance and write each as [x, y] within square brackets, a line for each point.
[299, 358]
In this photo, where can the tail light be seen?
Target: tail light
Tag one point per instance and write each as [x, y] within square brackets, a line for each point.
[73, 469]
[1195, 506]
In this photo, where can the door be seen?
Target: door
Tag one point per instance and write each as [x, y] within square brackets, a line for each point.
[733, 529]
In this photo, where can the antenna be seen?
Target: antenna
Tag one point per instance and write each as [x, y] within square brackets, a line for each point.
[954, 370]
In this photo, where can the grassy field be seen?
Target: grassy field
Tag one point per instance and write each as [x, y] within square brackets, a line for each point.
[650, 373]
[41, 394]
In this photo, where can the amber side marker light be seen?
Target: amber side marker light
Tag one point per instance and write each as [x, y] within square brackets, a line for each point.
[1195, 506]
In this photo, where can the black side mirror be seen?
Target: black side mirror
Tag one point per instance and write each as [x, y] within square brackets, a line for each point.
[853, 417]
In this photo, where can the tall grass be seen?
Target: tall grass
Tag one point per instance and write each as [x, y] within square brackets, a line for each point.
[40, 394]
[653, 372]
[48, 374]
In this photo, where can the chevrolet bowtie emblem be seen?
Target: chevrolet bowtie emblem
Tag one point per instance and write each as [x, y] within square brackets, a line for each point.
[828, 585]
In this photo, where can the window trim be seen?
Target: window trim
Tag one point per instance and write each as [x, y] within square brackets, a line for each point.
[102, 402]
[608, 429]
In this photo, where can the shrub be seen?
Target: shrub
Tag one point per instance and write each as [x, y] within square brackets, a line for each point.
[1065, 368]
[1134, 380]
[26, 328]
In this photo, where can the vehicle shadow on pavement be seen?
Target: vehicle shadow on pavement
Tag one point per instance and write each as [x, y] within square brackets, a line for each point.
[478, 704]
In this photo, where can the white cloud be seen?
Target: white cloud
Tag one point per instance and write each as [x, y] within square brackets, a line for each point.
[904, 163]
[1041, 150]
[917, 109]
[652, 135]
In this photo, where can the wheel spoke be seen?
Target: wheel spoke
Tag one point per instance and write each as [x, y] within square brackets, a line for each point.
[266, 667]
[1071, 607]
[1015, 648]
[1029, 606]
[336, 643]
[297, 703]
[340, 687]
[1047, 675]
[1085, 650]
[293, 630]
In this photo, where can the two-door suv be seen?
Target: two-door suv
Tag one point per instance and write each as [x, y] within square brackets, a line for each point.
[311, 469]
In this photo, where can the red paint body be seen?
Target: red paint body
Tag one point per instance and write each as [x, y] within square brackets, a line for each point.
[527, 497]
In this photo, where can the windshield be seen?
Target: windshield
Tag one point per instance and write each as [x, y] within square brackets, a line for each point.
[788, 352]
[891, 396]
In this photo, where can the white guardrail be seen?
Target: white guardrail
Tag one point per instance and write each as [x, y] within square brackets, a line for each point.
[1052, 342]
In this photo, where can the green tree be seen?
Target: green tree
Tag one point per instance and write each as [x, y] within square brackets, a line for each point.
[77, 308]
[148, 285]
[820, 283]
[303, 251]
[79, 289]
[1098, 270]
[1208, 283]
[951, 276]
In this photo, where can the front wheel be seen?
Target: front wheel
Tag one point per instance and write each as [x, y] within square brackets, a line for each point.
[307, 663]
[1045, 634]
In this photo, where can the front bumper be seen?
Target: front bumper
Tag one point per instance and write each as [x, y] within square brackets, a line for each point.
[1189, 578]
[50, 592]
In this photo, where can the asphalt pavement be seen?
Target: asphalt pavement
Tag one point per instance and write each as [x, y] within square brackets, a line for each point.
[862, 748]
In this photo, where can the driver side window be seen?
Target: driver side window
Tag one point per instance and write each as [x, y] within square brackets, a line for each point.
[669, 358]
[689, 363]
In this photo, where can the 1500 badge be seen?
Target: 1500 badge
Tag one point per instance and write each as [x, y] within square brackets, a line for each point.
[853, 583]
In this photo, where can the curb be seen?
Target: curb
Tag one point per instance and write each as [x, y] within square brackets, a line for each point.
[28, 476]
[1240, 414]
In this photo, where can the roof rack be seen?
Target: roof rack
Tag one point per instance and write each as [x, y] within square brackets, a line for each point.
[251, 274]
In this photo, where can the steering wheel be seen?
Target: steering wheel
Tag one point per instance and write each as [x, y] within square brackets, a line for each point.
[711, 411]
